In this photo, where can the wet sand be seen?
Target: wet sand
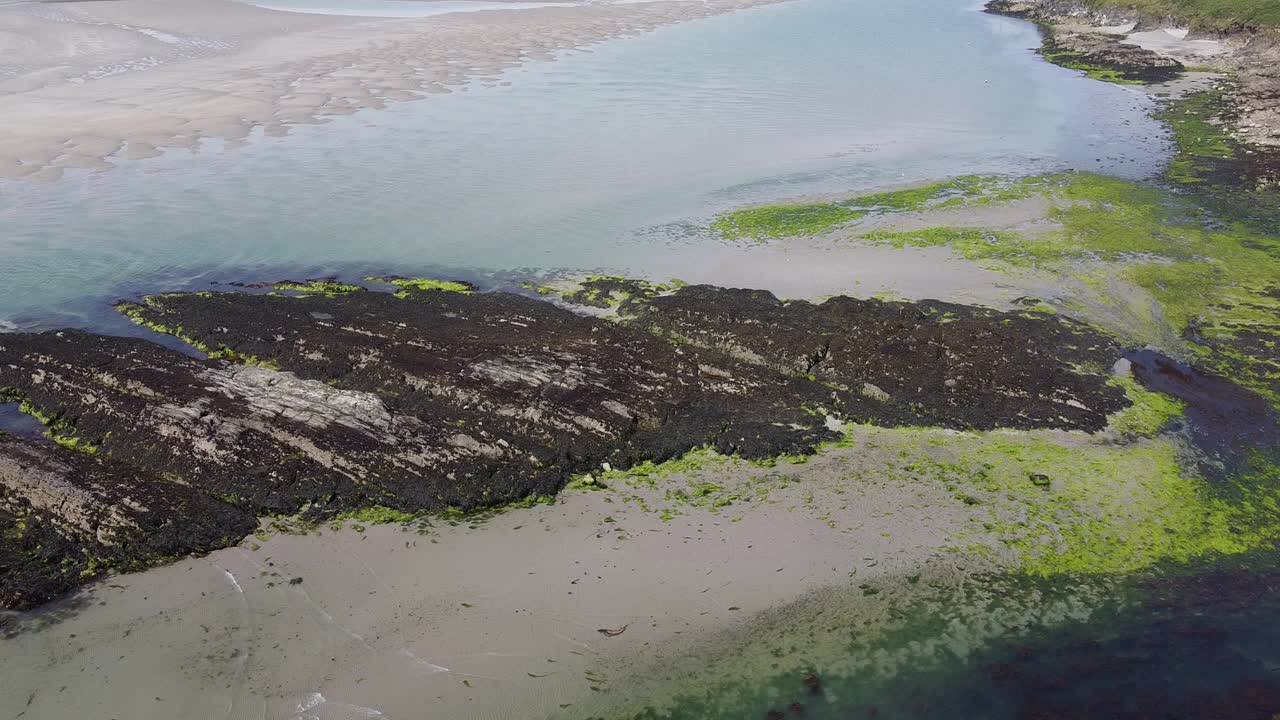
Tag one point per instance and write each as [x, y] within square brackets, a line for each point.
[839, 263]
[82, 82]
[498, 618]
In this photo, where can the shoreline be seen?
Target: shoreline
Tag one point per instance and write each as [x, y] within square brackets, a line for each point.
[782, 546]
[1120, 44]
[474, 616]
[206, 78]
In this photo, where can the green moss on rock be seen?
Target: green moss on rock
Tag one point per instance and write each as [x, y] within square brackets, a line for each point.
[322, 286]
[409, 285]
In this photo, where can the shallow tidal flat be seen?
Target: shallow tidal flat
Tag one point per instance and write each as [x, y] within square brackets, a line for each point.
[924, 494]
[987, 445]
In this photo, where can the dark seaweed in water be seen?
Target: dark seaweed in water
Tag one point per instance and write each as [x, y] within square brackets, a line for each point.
[1201, 647]
[1228, 423]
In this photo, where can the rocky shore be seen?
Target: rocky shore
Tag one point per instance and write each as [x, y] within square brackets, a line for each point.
[1113, 43]
[730, 504]
[438, 398]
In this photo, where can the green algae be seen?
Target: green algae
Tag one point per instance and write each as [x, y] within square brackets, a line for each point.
[1200, 137]
[970, 243]
[595, 291]
[1046, 504]
[540, 289]
[71, 442]
[1076, 61]
[379, 515]
[58, 428]
[409, 285]
[137, 314]
[1149, 413]
[799, 219]
[1234, 179]
[226, 353]
[611, 291]
[950, 648]
[678, 486]
[857, 641]
[649, 472]
[328, 288]
[1105, 509]
[1145, 263]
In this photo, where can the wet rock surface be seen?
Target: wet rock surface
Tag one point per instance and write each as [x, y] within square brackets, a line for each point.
[66, 516]
[429, 399]
[926, 363]
[1228, 424]
[1109, 52]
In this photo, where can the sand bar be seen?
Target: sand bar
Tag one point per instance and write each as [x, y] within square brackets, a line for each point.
[84, 81]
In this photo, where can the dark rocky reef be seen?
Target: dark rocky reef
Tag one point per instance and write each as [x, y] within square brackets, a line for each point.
[892, 363]
[427, 399]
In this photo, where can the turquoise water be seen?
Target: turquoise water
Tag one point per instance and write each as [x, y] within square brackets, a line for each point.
[576, 162]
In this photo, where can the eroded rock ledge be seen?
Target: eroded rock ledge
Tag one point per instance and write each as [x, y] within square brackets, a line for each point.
[433, 398]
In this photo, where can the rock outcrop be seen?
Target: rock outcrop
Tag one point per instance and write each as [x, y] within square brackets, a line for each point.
[432, 399]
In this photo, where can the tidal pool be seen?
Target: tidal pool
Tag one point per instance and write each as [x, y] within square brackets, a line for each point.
[598, 160]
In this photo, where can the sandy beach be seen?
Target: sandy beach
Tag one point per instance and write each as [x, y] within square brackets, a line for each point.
[507, 617]
[82, 82]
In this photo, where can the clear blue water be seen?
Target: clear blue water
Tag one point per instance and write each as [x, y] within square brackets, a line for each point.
[575, 163]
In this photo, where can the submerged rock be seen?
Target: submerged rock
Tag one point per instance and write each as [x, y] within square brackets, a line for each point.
[427, 399]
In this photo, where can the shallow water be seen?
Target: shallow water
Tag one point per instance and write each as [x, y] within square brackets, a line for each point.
[593, 161]
[1203, 647]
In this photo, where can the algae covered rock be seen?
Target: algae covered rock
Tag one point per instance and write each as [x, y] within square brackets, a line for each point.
[66, 516]
[431, 399]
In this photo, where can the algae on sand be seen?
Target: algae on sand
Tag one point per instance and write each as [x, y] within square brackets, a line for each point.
[1151, 265]
[1034, 556]
[795, 219]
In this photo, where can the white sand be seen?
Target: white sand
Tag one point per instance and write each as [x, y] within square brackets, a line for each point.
[83, 81]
